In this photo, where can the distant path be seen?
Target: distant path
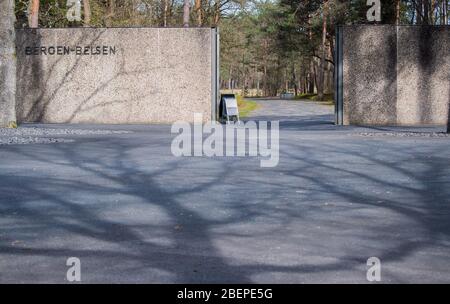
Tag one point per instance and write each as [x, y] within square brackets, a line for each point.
[294, 114]
[291, 109]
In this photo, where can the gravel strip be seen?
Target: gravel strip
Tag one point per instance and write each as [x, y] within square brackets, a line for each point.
[404, 134]
[14, 140]
[34, 131]
[32, 135]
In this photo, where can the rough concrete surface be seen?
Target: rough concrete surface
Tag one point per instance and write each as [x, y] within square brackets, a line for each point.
[7, 63]
[155, 75]
[396, 75]
[369, 75]
[423, 81]
[134, 213]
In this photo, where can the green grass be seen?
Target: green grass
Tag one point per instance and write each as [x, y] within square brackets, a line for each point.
[245, 106]
[12, 125]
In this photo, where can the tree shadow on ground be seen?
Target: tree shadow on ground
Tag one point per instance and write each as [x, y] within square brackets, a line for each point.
[192, 255]
[103, 204]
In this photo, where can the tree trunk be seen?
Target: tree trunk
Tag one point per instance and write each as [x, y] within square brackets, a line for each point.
[331, 67]
[265, 51]
[168, 12]
[426, 14]
[111, 12]
[87, 12]
[257, 83]
[33, 18]
[265, 80]
[305, 83]
[112, 7]
[244, 76]
[294, 80]
[230, 78]
[315, 67]
[433, 11]
[199, 12]
[186, 11]
[135, 13]
[442, 7]
[166, 8]
[311, 77]
[302, 82]
[321, 82]
[419, 10]
[286, 80]
[7, 64]
[444, 12]
[216, 12]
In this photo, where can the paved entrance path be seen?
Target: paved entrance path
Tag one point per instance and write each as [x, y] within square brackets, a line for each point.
[134, 213]
[289, 110]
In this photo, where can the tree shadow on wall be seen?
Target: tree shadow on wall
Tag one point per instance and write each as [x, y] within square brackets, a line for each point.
[32, 68]
[46, 87]
[433, 67]
[427, 66]
[370, 78]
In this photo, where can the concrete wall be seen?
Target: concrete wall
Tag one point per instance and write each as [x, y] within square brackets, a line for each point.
[396, 75]
[369, 75]
[115, 75]
[423, 68]
[7, 63]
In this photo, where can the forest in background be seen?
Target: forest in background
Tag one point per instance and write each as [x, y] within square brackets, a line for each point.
[267, 46]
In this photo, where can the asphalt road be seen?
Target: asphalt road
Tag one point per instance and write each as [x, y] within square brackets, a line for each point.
[132, 212]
